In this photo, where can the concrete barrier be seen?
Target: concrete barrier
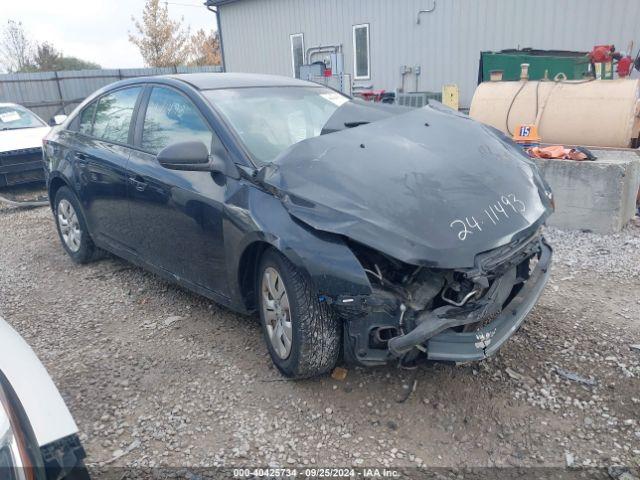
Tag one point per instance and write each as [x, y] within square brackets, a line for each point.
[599, 196]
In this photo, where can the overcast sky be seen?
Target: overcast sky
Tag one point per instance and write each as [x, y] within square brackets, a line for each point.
[95, 30]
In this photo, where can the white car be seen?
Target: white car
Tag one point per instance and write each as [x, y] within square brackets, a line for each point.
[38, 437]
[21, 134]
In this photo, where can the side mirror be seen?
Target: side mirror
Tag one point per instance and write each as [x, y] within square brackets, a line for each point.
[57, 120]
[193, 156]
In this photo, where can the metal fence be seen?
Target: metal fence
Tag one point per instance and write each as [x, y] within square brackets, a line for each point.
[52, 93]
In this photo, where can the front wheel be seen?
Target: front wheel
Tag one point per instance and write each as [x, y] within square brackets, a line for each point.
[303, 334]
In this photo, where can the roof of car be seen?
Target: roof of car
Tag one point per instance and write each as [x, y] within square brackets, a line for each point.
[210, 81]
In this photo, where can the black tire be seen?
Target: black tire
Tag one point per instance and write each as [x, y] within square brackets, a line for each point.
[317, 331]
[85, 252]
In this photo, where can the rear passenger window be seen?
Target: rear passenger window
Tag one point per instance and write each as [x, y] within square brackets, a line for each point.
[86, 119]
[113, 115]
[172, 118]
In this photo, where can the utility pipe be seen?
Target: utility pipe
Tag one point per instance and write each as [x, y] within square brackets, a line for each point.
[425, 11]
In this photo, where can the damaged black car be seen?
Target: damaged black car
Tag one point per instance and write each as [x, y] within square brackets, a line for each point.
[367, 232]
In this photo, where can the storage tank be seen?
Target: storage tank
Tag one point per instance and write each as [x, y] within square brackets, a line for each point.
[603, 113]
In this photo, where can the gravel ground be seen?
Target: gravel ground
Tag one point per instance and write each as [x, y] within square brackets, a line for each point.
[617, 254]
[157, 376]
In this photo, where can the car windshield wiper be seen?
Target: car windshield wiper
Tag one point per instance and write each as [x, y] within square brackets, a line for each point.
[16, 128]
[355, 124]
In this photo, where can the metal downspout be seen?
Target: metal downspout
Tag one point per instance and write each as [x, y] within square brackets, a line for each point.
[224, 63]
[216, 10]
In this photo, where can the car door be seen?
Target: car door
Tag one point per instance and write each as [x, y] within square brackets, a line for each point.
[101, 152]
[176, 216]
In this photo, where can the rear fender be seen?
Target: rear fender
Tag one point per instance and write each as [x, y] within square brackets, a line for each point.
[58, 163]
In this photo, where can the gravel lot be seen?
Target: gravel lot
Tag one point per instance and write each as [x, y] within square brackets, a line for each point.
[157, 376]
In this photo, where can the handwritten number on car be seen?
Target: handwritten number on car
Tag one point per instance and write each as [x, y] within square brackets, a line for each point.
[467, 227]
[506, 206]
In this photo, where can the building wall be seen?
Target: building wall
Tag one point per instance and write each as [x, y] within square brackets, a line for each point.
[446, 44]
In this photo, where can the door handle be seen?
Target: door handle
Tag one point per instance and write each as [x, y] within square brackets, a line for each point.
[139, 185]
[81, 158]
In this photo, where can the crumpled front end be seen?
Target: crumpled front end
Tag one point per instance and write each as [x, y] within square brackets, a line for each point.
[444, 216]
[447, 315]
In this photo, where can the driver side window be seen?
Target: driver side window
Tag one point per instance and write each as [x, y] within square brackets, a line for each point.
[171, 118]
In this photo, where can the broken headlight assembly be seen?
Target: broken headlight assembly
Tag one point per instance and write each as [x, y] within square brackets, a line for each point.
[411, 304]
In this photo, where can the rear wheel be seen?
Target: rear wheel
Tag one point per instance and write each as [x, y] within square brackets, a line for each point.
[302, 333]
[72, 227]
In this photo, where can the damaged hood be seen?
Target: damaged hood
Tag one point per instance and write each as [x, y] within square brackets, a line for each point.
[429, 187]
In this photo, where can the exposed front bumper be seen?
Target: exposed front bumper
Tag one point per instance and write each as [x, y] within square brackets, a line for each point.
[469, 346]
[21, 166]
[437, 333]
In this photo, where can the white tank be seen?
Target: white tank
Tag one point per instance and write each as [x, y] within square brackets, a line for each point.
[603, 113]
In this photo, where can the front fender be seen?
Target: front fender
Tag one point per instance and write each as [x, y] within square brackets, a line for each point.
[253, 215]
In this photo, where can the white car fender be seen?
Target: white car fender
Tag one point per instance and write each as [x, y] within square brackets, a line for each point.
[48, 415]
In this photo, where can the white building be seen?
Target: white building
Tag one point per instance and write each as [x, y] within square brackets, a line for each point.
[443, 38]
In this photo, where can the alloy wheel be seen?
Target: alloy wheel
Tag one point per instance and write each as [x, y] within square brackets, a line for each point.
[69, 225]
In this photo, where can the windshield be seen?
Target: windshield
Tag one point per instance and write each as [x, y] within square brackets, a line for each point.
[13, 117]
[271, 119]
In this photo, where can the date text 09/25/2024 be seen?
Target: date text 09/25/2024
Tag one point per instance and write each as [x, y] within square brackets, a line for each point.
[347, 472]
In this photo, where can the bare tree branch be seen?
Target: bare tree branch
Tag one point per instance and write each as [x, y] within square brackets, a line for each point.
[18, 53]
[16, 49]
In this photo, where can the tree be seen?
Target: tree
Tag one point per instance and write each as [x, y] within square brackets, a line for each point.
[75, 63]
[205, 49]
[16, 50]
[18, 53]
[162, 42]
[47, 57]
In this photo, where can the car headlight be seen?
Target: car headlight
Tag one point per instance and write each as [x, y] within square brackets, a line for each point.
[20, 457]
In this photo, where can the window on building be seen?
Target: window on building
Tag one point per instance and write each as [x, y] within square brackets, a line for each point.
[361, 52]
[170, 118]
[113, 115]
[297, 53]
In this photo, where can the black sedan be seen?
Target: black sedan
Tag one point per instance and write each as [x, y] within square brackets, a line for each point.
[367, 231]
